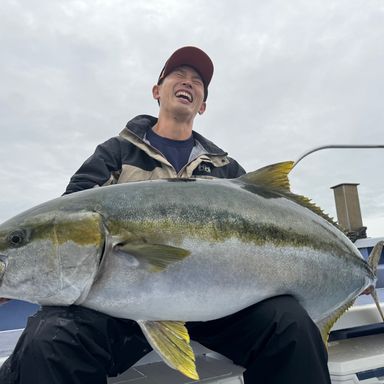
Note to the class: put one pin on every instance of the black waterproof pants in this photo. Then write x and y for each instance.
(275, 341)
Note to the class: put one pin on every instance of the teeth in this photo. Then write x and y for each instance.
(184, 94)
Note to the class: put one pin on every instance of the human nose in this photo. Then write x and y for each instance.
(187, 84)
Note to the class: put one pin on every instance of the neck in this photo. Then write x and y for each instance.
(172, 128)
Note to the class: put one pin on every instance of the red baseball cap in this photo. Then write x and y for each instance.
(192, 57)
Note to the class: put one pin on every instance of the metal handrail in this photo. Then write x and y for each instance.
(336, 146)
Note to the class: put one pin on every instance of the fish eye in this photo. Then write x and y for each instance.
(16, 238)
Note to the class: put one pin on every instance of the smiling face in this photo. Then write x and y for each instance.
(181, 92)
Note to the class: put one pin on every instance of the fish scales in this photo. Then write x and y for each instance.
(222, 223)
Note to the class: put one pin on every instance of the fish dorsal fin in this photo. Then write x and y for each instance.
(170, 339)
(305, 202)
(274, 176)
(157, 257)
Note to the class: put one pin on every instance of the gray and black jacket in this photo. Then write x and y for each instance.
(130, 157)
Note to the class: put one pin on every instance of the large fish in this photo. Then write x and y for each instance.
(164, 252)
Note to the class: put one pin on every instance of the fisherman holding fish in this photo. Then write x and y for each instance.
(275, 340)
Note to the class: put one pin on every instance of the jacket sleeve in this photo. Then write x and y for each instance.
(98, 169)
(234, 169)
(238, 170)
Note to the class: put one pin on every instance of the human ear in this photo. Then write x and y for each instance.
(155, 92)
(202, 109)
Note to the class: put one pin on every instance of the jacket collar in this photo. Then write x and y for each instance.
(139, 125)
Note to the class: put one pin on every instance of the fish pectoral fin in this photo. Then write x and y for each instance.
(157, 256)
(328, 322)
(170, 339)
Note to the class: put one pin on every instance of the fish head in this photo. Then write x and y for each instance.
(50, 257)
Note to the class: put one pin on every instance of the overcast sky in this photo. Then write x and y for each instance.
(290, 75)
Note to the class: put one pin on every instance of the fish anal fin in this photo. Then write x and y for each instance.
(327, 323)
(170, 339)
(157, 257)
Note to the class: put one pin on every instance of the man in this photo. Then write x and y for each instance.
(275, 340)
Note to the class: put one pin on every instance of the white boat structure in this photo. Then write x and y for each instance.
(356, 347)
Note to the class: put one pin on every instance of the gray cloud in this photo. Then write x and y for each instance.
(288, 77)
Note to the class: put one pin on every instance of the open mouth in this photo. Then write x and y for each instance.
(184, 95)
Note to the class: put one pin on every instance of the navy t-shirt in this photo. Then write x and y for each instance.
(175, 151)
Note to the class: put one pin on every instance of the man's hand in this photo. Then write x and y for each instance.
(3, 300)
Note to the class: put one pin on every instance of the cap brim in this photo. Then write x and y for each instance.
(192, 57)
